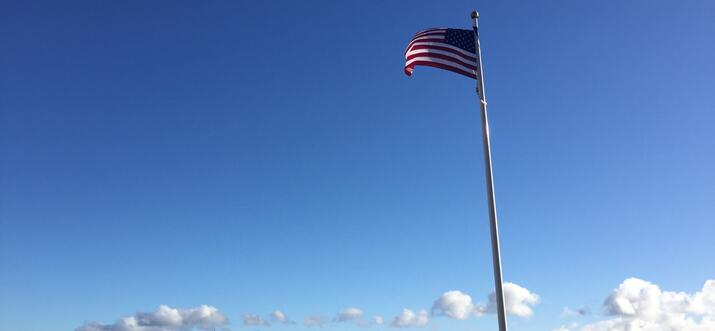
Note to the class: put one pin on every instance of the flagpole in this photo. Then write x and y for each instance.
(494, 229)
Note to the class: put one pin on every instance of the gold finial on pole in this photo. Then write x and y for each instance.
(475, 18)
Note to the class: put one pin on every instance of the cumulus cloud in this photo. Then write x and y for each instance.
(409, 318)
(458, 305)
(164, 318)
(378, 320)
(517, 300)
(315, 320)
(639, 305)
(703, 302)
(254, 320)
(455, 304)
(350, 314)
(278, 316)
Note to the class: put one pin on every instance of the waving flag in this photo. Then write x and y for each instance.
(448, 49)
(459, 51)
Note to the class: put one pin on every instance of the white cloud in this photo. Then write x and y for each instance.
(703, 302)
(454, 304)
(315, 320)
(458, 305)
(638, 305)
(350, 314)
(254, 320)
(164, 319)
(378, 320)
(278, 316)
(409, 318)
(517, 300)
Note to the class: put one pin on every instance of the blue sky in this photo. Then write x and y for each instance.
(261, 156)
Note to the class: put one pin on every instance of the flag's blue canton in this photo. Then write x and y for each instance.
(463, 39)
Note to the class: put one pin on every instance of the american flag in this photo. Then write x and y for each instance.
(448, 49)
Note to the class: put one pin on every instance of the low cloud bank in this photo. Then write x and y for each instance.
(254, 320)
(518, 301)
(315, 321)
(164, 319)
(409, 318)
(278, 316)
(351, 314)
(451, 304)
(639, 305)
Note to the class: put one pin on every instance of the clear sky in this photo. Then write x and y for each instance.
(262, 155)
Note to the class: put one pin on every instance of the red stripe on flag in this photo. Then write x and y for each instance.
(443, 57)
(429, 40)
(442, 48)
(440, 66)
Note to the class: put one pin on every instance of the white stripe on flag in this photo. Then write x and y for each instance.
(441, 61)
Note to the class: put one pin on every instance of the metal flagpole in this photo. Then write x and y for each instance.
(494, 229)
